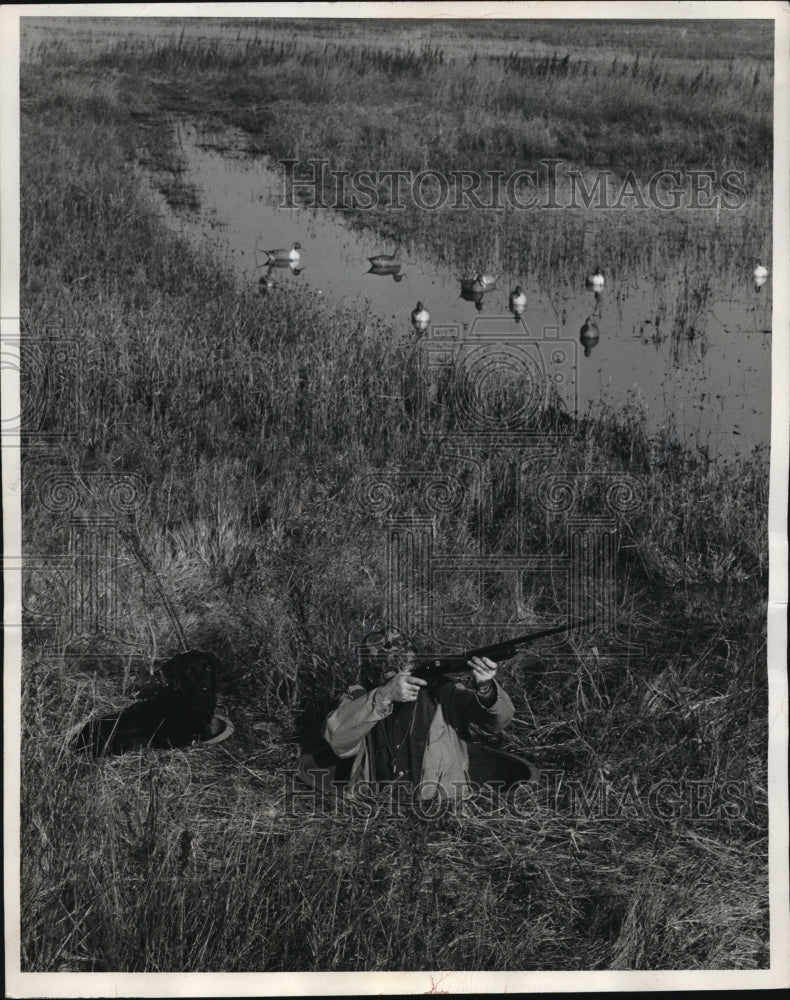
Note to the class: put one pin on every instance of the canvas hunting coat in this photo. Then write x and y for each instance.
(448, 715)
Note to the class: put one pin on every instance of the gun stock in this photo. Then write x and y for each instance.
(430, 666)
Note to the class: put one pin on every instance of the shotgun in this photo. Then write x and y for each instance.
(431, 666)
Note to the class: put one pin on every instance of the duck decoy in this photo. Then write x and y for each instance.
(488, 281)
(472, 286)
(518, 300)
(589, 335)
(595, 281)
(281, 254)
(386, 259)
(420, 317)
(760, 275)
(386, 269)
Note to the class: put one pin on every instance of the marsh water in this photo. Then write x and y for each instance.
(709, 389)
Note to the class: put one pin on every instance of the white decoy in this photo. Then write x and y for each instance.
(518, 300)
(760, 271)
(282, 254)
(420, 317)
(488, 281)
(595, 280)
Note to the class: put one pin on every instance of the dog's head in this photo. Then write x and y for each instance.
(194, 674)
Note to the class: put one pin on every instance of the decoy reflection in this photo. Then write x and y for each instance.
(385, 270)
(420, 317)
(589, 335)
(517, 302)
(472, 290)
(294, 266)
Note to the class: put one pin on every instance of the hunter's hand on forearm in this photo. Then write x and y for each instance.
(402, 687)
(483, 672)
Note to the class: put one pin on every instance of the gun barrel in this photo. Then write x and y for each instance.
(507, 648)
(498, 651)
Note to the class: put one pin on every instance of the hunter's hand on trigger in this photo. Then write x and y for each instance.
(404, 687)
(483, 670)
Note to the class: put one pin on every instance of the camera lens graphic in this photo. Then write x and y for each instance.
(499, 387)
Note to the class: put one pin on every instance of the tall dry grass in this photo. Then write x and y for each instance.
(249, 421)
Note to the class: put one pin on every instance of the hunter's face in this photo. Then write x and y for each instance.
(401, 662)
(386, 654)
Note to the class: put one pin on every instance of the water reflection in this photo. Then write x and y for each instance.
(517, 302)
(589, 335)
(386, 270)
(472, 290)
(294, 266)
(420, 318)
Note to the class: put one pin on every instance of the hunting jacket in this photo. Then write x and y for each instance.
(453, 713)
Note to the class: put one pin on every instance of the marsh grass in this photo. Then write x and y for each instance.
(594, 105)
(602, 126)
(637, 112)
(250, 421)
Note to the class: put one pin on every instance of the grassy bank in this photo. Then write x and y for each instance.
(249, 421)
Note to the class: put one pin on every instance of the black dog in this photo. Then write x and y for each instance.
(174, 716)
